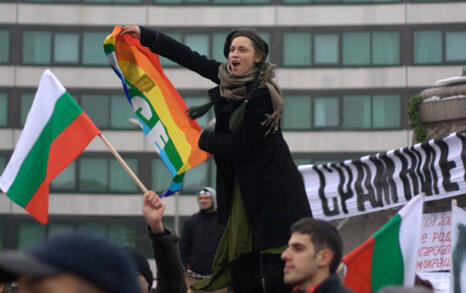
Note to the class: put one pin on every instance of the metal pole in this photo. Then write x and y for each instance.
(177, 213)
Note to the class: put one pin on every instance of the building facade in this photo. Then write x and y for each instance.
(347, 68)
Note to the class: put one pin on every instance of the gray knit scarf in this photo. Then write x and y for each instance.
(233, 87)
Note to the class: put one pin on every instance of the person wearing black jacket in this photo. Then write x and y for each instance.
(312, 258)
(260, 191)
(200, 237)
(170, 273)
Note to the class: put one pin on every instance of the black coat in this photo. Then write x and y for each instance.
(271, 186)
(199, 240)
(170, 273)
(330, 285)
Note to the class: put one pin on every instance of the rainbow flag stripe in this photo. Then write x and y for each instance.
(157, 105)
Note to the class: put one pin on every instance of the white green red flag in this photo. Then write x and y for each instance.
(389, 256)
(55, 133)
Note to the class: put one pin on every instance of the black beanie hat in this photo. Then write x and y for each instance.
(246, 32)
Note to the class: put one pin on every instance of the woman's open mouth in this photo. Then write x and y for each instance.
(235, 63)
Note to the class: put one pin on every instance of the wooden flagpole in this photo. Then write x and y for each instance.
(123, 163)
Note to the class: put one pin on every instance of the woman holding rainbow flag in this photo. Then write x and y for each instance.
(260, 192)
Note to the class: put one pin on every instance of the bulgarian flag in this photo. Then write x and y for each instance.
(55, 133)
(388, 257)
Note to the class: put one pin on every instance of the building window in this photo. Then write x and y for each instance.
(25, 101)
(296, 1)
(334, 1)
(326, 112)
(120, 112)
(428, 47)
(119, 178)
(123, 232)
(326, 49)
(108, 111)
(93, 52)
(1, 235)
(302, 161)
(3, 109)
(55, 227)
(4, 46)
(111, 1)
(356, 49)
(231, 2)
(2, 163)
(380, 111)
(63, 48)
(213, 174)
(106, 175)
(439, 47)
(386, 110)
(198, 43)
(97, 108)
(385, 48)
(297, 49)
(455, 46)
(208, 44)
(66, 48)
(218, 40)
(87, 1)
(357, 112)
(161, 177)
(297, 113)
(91, 227)
(30, 233)
(93, 174)
(66, 180)
(194, 179)
(37, 47)
(124, 235)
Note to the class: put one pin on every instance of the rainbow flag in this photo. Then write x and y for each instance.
(157, 105)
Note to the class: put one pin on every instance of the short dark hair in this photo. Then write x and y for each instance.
(322, 235)
(260, 46)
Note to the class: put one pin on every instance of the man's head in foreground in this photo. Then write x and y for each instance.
(72, 263)
(145, 275)
(314, 252)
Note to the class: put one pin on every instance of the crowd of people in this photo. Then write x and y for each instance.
(73, 262)
(255, 234)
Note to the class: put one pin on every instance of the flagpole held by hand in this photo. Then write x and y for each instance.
(123, 163)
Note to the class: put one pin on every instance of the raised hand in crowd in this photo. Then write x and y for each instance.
(153, 210)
